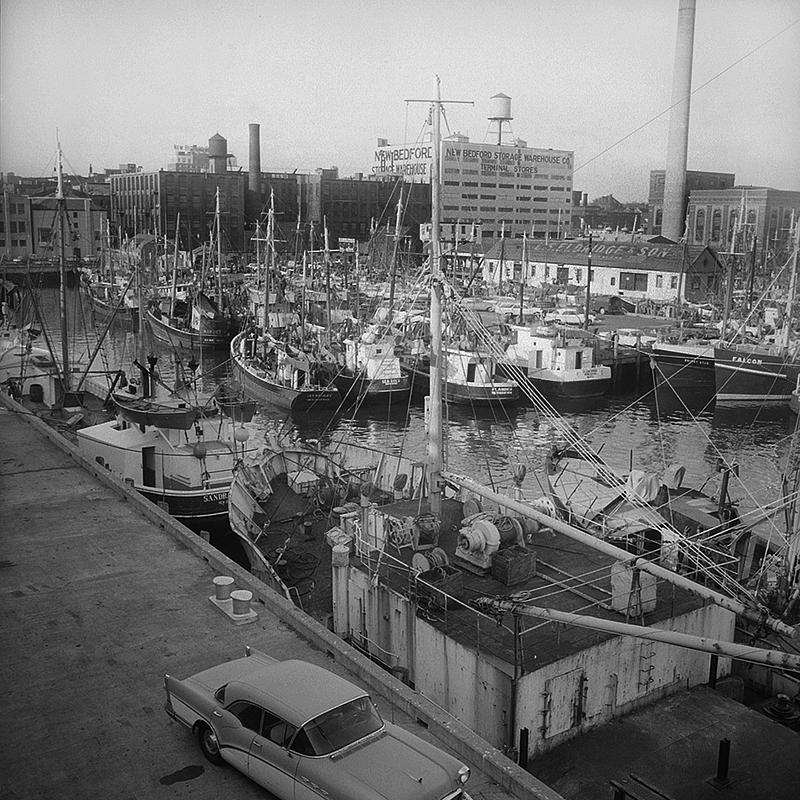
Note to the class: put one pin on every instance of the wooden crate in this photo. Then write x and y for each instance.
(512, 565)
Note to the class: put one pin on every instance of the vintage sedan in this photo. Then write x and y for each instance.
(304, 733)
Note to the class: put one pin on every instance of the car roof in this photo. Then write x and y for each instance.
(297, 691)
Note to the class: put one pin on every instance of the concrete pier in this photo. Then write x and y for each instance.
(102, 593)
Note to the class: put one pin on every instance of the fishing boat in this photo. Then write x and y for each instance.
(686, 362)
(366, 369)
(25, 368)
(766, 371)
(471, 378)
(558, 361)
(201, 321)
(204, 325)
(177, 453)
(144, 412)
(265, 363)
(271, 371)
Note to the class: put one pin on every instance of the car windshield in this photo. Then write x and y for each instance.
(340, 727)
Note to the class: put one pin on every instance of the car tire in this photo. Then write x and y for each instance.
(601, 311)
(209, 744)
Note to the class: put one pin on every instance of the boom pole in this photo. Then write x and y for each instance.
(741, 652)
(618, 553)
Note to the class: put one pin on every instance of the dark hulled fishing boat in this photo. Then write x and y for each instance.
(283, 377)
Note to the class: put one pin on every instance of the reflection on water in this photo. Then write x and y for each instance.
(649, 430)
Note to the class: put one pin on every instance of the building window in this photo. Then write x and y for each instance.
(716, 225)
(633, 281)
(578, 275)
(673, 282)
(700, 225)
(659, 281)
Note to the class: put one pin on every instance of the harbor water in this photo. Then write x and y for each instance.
(642, 428)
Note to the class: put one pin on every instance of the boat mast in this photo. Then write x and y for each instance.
(523, 273)
(327, 277)
(787, 322)
(394, 254)
(62, 274)
(588, 284)
(726, 312)
(219, 253)
(435, 455)
(268, 262)
(174, 290)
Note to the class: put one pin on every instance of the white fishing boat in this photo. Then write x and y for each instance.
(174, 450)
(558, 361)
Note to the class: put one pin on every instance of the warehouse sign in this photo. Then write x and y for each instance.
(504, 161)
(414, 161)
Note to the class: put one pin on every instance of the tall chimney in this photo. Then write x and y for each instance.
(254, 172)
(678, 138)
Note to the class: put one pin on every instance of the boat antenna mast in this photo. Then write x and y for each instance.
(62, 272)
(435, 460)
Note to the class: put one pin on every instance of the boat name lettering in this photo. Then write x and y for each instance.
(746, 360)
(215, 497)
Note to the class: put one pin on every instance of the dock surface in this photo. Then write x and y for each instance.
(99, 602)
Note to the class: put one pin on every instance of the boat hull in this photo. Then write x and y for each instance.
(264, 390)
(685, 368)
(214, 334)
(750, 375)
(261, 387)
(563, 385)
(106, 311)
(495, 394)
(192, 508)
(580, 389)
(358, 389)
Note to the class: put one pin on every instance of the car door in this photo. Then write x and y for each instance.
(235, 728)
(270, 764)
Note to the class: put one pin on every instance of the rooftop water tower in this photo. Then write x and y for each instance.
(500, 112)
(217, 153)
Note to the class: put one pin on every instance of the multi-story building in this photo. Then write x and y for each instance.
(694, 180)
(188, 158)
(508, 189)
(766, 219)
(149, 202)
(29, 226)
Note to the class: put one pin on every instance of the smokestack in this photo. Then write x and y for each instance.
(254, 172)
(678, 138)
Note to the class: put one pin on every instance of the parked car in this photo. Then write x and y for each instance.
(568, 316)
(299, 730)
(610, 304)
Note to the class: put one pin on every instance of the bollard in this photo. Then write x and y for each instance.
(241, 601)
(222, 587)
(524, 734)
(723, 760)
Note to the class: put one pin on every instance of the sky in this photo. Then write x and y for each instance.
(125, 80)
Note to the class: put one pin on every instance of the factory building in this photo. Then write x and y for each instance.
(694, 180)
(149, 202)
(505, 188)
